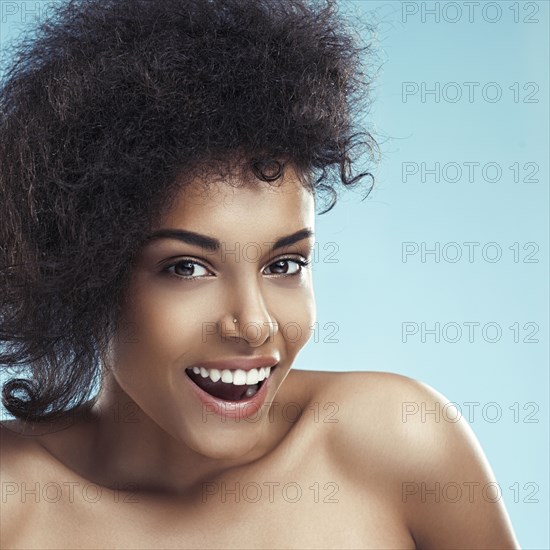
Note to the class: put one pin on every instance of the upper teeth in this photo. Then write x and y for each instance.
(237, 377)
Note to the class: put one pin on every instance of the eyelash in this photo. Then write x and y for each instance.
(302, 263)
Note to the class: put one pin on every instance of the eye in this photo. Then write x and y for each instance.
(281, 266)
(186, 269)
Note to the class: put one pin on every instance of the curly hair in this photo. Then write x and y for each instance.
(103, 108)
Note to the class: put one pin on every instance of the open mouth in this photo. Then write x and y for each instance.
(230, 385)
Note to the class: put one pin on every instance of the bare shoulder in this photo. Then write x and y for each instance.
(401, 420)
(20, 463)
(28, 471)
(405, 435)
(360, 413)
(361, 394)
(22, 454)
(18, 449)
(375, 413)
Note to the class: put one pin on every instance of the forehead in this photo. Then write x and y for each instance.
(227, 204)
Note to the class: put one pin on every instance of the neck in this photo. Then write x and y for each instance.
(130, 448)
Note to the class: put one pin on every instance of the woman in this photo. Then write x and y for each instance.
(162, 164)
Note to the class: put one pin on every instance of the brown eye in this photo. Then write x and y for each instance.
(187, 269)
(281, 267)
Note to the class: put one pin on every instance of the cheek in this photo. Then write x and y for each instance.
(155, 332)
(297, 320)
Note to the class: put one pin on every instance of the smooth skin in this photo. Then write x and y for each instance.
(332, 462)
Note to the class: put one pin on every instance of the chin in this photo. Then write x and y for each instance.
(223, 443)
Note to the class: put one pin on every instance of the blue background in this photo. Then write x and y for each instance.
(366, 289)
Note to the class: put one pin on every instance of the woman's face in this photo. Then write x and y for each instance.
(184, 296)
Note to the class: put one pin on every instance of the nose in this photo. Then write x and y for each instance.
(254, 323)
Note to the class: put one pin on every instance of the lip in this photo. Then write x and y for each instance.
(243, 363)
(234, 410)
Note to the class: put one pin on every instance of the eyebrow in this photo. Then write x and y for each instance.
(212, 244)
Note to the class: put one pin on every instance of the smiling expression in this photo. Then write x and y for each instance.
(214, 258)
